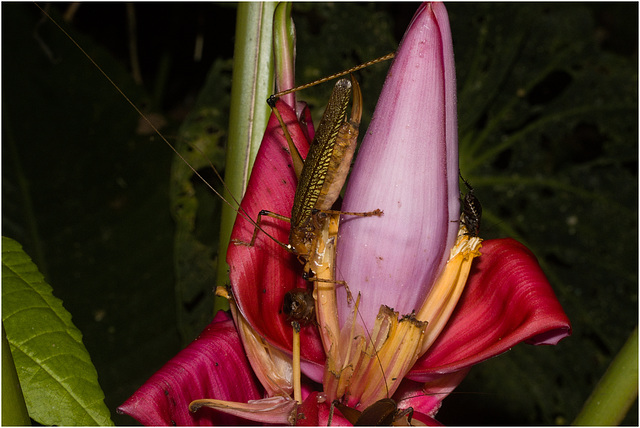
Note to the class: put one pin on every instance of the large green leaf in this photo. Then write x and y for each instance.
(59, 382)
(14, 409)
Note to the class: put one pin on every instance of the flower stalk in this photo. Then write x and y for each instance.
(617, 390)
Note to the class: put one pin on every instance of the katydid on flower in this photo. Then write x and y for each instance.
(456, 336)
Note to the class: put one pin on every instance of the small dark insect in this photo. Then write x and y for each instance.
(381, 413)
(298, 305)
(471, 210)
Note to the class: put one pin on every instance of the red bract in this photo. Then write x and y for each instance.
(213, 365)
(507, 300)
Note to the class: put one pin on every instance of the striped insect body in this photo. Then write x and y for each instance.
(471, 210)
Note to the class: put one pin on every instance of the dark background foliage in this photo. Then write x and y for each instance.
(548, 138)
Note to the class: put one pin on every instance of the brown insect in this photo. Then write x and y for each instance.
(471, 210)
(383, 412)
(299, 305)
(321, 175)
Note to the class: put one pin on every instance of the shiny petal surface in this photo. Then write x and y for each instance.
(212, 366)
(408, 167)
(507, 300)
(262, 274)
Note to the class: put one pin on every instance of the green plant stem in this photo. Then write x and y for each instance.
(617, 390)
(284, 42)
(252, 84)
(14, 409)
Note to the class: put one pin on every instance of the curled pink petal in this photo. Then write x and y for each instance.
(271, 410)
(507, 300)
(212, 366)
(408, 167)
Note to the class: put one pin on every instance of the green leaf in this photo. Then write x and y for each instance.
(14, 409)
(59, 382)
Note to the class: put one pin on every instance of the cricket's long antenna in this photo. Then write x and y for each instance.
(239, 209)
(131, 103)
(333, 76)
(373, 345)
(109, 79)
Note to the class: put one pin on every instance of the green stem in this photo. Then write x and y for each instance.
(284, 42)
(252, 83)
(617, 390)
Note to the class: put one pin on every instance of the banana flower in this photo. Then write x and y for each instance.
(418, 299)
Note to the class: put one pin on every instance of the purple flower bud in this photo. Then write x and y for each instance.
(407, 166)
